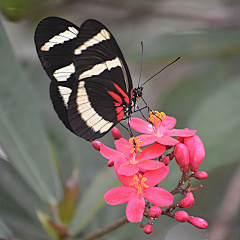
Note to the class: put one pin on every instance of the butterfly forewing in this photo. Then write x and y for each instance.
(91, 85)
(53, 39)
(97, 45)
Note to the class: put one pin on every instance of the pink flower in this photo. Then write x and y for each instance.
(148, 228)
(198, 222)
(161, 131)
(181, 155)
(126, 159)
(196, 151)
(136, 189)
(116, 133)
(181, 216)
(201, 175)
(155, 211)
(188, 201)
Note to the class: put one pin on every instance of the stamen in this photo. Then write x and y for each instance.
(156, 117)
(139, 182)
(135, 143)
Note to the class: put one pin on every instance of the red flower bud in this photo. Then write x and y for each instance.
(182, 156)
(166, 160)
(148, 228)
(201, 175)
(181, 216)
(97, 145)
(110, 163)
(198, 222)
(116, 133)
(155, 212)
(188, 201)
(196, 151)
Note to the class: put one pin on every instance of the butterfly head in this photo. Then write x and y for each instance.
(137, 92)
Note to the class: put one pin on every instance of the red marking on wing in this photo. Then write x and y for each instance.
(131, 93)
(120, 114)
(116, 97)
(126, 98)
(119, 109)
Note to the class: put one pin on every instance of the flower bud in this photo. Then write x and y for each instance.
(198, 222)
(166, 160)
(196, 151)
(155, 212)
(201, 175)
(148, 228)
(188, 201)
(181, 216)
(110, 163)
(97, 145)
(68, 203)
(116, 133)
(182, 156)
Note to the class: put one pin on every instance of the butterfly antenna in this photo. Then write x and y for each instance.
(141, 65)
(161, 70)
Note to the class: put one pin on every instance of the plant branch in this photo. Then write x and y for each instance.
(106, 230)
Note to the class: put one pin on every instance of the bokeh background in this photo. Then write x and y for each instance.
(201, 90)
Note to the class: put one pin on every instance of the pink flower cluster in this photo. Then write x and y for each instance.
(140, 174)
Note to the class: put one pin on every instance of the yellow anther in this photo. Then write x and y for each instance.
(156, 117)
(139, 182)
(135, 143)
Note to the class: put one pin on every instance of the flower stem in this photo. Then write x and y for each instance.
(107, 229)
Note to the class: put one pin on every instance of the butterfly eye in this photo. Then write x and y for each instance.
(139, 92)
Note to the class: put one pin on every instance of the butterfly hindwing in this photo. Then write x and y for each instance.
(91, 85)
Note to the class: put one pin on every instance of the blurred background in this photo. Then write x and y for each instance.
(201, 90)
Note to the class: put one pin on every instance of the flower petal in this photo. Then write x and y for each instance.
(125, 180)
(141, 126)
(147, 139)
(121, 146)
(110, 153)
(149, 165)
(154, 177)
(128, 169)
(119, 195)
(180, 132)
(166, 140)
(151, 152)
(135, 209)
(158, 196)
(168, 123)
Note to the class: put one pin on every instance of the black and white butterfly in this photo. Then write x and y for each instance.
(91, 87)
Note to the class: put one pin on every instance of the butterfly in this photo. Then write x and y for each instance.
(91, 87)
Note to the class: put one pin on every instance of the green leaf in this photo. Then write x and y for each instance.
(3, 155)
(22, 134)
(92, 200)
(218, 123)
(197, 84)
(16, 196)
(16, 9)
(5, 232)
(199, 44)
